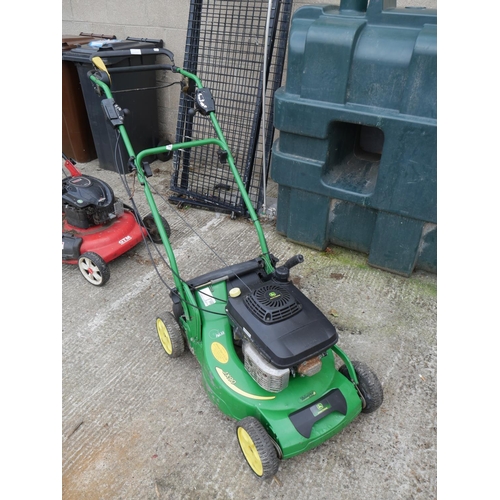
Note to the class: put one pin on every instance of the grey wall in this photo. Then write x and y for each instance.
(164, 19)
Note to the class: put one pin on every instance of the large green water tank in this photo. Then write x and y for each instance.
(356, 157)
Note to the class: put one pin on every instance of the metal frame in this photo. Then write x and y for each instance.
(225, 48)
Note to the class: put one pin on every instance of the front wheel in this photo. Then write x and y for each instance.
(170, 334)
(369, 386)
(93, 268)
(257, 447)
(152, 228)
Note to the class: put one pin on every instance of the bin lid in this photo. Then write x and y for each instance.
(83, 53)
(73, 41)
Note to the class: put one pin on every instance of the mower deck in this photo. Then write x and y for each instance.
(108, 240)
(302, 416)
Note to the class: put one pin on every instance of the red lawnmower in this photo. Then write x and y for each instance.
(97, 227)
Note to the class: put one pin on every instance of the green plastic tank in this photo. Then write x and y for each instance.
(355, 161)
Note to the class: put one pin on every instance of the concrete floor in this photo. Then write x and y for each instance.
(137, 424)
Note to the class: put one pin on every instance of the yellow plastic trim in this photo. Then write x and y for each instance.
(231, 383)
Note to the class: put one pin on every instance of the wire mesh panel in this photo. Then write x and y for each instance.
(225, 49)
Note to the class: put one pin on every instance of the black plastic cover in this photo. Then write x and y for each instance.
(71, 246)
(204, 101)
(78, 218)
(304, 419)
(301, 335)
(84, 191)
(113, 112)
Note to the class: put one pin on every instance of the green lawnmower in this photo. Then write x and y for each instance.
(267, 353)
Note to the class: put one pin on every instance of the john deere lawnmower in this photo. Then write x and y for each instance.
(268, 355)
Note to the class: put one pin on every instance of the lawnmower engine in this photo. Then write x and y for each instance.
(282, 332)
(87, 201)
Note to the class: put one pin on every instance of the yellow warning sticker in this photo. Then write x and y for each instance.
(219, 352)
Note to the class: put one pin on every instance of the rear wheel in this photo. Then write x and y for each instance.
(257, 447)
(170, 334)
(152, 228)
(369, 386)
(93, 268)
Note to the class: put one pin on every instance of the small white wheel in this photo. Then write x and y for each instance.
(93, 268)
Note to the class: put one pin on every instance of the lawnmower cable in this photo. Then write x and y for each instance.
(153, 188)
(147, 88)
(198, 235)
(137, 214)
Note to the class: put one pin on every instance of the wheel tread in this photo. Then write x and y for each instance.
(263, 444)
(369, 385)
(175, 334)
(152, 229)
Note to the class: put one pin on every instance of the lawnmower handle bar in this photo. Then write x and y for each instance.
(138, 159)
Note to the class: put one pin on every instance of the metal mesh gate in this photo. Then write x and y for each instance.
(225, 48)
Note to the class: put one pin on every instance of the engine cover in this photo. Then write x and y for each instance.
(84, 191)
(281, 322)
(87, 201)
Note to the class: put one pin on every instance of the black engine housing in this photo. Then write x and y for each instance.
(282, 323)
(87, 201)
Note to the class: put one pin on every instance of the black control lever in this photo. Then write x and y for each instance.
(293, 261)
(282, 273)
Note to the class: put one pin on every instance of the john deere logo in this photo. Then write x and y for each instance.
(320, 408)
(274, 295)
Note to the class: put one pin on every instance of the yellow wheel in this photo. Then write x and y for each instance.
(170, 334)
(257, 447)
